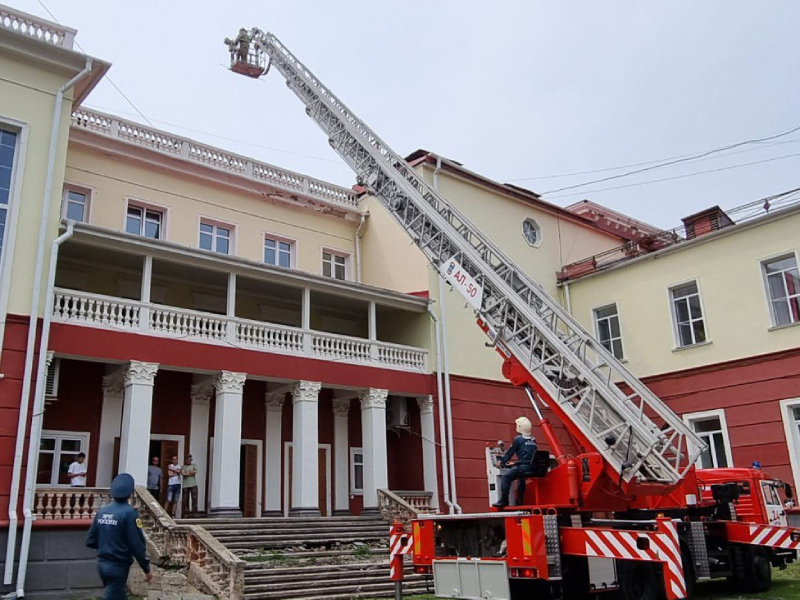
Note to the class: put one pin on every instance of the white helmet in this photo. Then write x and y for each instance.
(524, 426)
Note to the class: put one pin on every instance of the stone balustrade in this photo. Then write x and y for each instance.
(93, 310)
(36, 28)
(68, 503)
(394, 508)
(215, 158)
(419, 501)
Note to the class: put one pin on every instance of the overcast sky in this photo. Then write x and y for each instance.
(517, 91)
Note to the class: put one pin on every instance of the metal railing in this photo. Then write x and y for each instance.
(215, 158)
(107, 312)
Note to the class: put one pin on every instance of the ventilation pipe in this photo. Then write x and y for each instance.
(24, 404)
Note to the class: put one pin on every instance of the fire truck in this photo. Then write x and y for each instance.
(621, 507)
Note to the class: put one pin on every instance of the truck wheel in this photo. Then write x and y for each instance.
(688, 571)
(638, 580)
(758, 571)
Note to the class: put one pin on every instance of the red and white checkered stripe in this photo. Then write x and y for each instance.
(774, 537)
(664, 547)
(400, 543)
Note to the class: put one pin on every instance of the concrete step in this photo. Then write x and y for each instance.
(362, 572)
(269, 543)
(378, 562)
(301, 583)
(341, 591)
(281, 521)
(289, 533)
(316, 555)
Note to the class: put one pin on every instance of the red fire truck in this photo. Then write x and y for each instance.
(624, 509)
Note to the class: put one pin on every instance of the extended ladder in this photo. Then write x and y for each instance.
(577, 371)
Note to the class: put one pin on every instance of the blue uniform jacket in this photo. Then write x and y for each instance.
(116, 534)
(524, 447)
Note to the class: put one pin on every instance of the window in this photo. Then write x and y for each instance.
(531, 232)
(356, 471)
(8, 145)
(57, 451)
(608, 332)
(712, 429)
(688, 315)
(783, 286)
(215, 237)
(75, 204)
(334, 265)
(278, 252)
(143, 221)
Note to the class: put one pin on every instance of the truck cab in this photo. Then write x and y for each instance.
(762, 499)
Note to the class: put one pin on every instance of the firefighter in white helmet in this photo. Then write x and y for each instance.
(524, 446)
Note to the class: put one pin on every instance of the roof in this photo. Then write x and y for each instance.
(421, 156)
(613, 221)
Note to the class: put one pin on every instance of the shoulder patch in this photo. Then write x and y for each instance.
(139, 523)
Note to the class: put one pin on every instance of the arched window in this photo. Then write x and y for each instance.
(531, 232)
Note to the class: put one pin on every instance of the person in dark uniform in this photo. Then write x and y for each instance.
(524, 446)
(116, 534)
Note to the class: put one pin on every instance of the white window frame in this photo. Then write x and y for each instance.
(278, 239)
(792, 434)
(762, 264)
(80, 189)
(85, 438)
(690, 418)
(217, 223)
(145, 206)
(538, 229)
(333, 252)
(596, 322)
(354, 491)
(676, 334)
(12, 217)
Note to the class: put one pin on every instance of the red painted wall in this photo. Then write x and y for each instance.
(172, 405)
(404, 453)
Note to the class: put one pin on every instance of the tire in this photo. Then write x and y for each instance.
(638, 580)
(758, 571)
(688, 571)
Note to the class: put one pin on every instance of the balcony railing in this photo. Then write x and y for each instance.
(54, 503)
(179, 147)
(36, 28)
(107, 312)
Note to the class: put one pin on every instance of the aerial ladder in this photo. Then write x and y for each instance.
(635, 457)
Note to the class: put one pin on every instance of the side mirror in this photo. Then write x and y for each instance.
(787, 489)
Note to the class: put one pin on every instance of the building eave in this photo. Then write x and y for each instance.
(169, 251)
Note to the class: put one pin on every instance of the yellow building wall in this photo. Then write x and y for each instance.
(185, 199)
(732, 291)
(27, 95)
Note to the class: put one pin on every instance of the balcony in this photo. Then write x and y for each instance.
(107, 312)
(36, 28)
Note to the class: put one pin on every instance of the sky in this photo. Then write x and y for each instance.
(544, 95)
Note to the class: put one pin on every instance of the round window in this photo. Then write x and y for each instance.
(531, 232)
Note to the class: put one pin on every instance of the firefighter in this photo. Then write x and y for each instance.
(242, 45)
(524, 447)
(116, 534)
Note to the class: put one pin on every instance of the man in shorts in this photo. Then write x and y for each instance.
(173, 486)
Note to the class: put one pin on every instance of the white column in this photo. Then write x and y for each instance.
(273, 449)
(198, 436)
(137, 411)
(305, 449)
(429, 476)
(227, 444)
(373, 440)
(341, 456)
(110, 424)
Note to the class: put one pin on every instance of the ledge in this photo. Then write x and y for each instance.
(691, 346)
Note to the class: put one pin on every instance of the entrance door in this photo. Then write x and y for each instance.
(169, 448)
(323, 478)
(248, 486)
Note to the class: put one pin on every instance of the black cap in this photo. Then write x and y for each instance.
(122, 486)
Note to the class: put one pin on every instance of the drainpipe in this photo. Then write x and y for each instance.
(443, 316)
(567, 300)
(364, 216)
(38, 412)
(440, 397)
(22, 423)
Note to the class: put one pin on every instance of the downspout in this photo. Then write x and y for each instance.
(22, 423)
(449, 417)
(442, 435)
(364, 216)
(567, 300)
(38, 412)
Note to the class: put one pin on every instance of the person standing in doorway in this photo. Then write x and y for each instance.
(116, 534)
(77, 471)
(189, 472)
(173, 486)
(154, 477)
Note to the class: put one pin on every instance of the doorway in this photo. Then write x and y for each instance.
(250, 475)
(164, 447)
(323, 477)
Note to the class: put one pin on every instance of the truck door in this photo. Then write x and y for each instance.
(776, 514)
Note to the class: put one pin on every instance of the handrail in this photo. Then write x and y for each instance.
(394, 508)
(211, 566)
(215, 158)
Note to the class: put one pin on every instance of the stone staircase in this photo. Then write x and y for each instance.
(333, 558)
